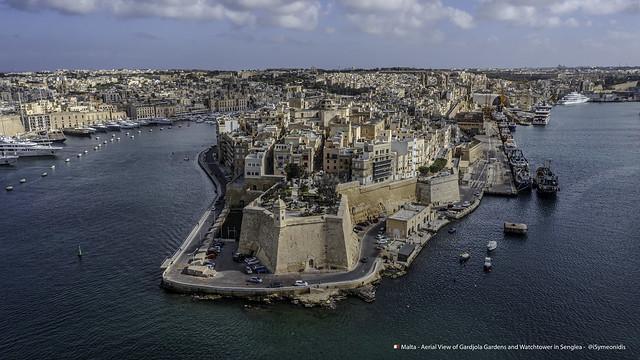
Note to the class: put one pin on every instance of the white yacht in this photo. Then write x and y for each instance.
(542, 112)
(26, 148)
(573, 98)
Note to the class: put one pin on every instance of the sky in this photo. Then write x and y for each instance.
(331, 34)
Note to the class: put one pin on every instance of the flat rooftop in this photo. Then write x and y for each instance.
(407, 213)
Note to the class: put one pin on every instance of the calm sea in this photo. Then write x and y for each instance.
(574, 279)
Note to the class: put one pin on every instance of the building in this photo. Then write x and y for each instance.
(373, 163)
(439, 190)
(471, 122)
(408, 221)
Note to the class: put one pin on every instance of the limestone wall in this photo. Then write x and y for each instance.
(300, 243)
(373, 200)
(439, 190)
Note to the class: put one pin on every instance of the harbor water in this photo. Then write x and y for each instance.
(573, 279)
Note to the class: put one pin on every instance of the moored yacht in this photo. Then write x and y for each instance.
(6, 159)
(541, 115)
(25, 148)
(573, 98)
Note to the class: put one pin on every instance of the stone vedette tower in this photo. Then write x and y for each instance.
(289, 242)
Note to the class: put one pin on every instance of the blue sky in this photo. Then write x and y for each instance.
(248, 34)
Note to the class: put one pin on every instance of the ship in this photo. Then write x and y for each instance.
(520, 170)
(6, 159)
(541, 115)
(545, 181)
(26, 148)
(80, 131)
(573, 98)
(46, 137)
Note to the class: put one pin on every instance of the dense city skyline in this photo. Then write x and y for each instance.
(221, 34)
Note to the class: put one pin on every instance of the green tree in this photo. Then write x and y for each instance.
(423, 170)
(293, 171)
(438, 165)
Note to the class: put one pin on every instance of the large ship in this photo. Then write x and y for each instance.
(7, 159)
(573, 98)
(46, 137)
(541, 114)
(545, 181)
(26, 148)
(520, 169)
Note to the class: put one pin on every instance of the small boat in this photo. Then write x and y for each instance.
(9, 160)
(79, 251)
(186, 158)
(452, 230)
(53, 166)
(150, 130)
(515, 228)
(113, 135)
(86, 152)
(487, 264)
(465, 257)
(23, 180)
(161, 129)
(492, 245)
(97, 137)
(9, 188)
(67, 160)
(44, 174)
(104, 142)
(79, 155)
(133, 137)
(118, 139)
(95, 148)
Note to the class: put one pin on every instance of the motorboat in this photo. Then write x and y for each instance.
(488, 266)
(465, 256)
(9, 188)
(492, 245)
(452, 230)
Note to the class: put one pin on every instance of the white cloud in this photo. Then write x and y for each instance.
(402, 17)
(293, 14)
(551, 13)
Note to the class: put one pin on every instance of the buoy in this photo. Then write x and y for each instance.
(105, 142)
(95, 148)
(150, 130)
(139, 131)
(113, 135)
(67, 160)
(111, 140)
(23, 180)
(118, 139)
(133, 137)
(97, 137)
(44, 174)
(9, 188)
(86, 152)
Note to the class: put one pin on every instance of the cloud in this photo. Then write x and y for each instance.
(402, 17)
(551, 13)
(291, 14)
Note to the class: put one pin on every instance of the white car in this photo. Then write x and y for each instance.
(300, 283)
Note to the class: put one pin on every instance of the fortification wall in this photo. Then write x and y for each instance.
(372, 200)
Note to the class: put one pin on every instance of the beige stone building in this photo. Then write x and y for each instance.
(408, 221)
(11, 125)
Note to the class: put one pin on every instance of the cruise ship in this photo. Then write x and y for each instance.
(26, 148)
(542, 112)
(573, 98)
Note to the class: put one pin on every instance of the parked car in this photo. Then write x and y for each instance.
(262, 270)
(237, 257)
(252, 262)
(364, 260)
(275, 284)
(255, 280)
(300, 283)
(248, 270)
(359, 228)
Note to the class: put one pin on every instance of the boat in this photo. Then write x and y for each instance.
(79, 251)
(44, 174)
(487, 264)
(163, 121)
(541, 114)
(26, 148)
(186, 158)
(67, 160)
(23, 180)
(113, 126)
(100, 127)
(127, 125)
(452, 230)
(545, 181)
(512, 126)
(8, 160)
(465, 257)
(143, 122)
(573, 98)
(9, 188)
(492, 245)
(515, 228)
(520, 169)
(85, 132)
(46, 137)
